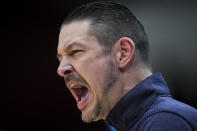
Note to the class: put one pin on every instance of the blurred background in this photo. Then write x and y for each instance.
(32, 95)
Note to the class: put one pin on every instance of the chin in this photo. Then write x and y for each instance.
(91, 115)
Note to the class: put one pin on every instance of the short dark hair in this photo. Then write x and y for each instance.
(109, 22)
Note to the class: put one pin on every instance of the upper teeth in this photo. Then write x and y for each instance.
(75, 86)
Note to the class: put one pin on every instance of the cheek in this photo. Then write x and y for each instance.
(93, 70)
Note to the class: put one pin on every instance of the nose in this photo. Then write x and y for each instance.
(64, 69)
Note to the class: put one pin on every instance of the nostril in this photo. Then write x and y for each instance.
(67, 72)
(64, 70)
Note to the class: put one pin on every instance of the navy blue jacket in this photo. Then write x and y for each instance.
(150, 107)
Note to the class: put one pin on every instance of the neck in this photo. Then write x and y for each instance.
(126, 82)
(132, 78)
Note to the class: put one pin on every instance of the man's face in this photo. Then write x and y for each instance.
(87, 71)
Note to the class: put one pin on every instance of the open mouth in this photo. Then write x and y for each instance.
(80, 93)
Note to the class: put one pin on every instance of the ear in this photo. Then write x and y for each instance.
(125, 48)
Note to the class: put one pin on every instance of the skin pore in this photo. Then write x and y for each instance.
(82, 58)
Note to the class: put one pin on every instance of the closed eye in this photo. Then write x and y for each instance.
(73, 52)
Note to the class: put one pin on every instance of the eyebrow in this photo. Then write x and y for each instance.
(73, 44)
(70, 46)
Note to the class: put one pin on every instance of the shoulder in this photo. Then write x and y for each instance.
(169, 114)
(165, 121)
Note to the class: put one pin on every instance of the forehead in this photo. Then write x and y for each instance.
(76, 32)
(74, 29)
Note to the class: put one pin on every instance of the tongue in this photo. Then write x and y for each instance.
(83, 101)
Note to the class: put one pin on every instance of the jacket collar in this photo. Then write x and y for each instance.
(134, 104)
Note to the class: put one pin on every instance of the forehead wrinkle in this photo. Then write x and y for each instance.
(65, 36)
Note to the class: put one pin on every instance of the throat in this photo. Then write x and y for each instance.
(81, 93)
